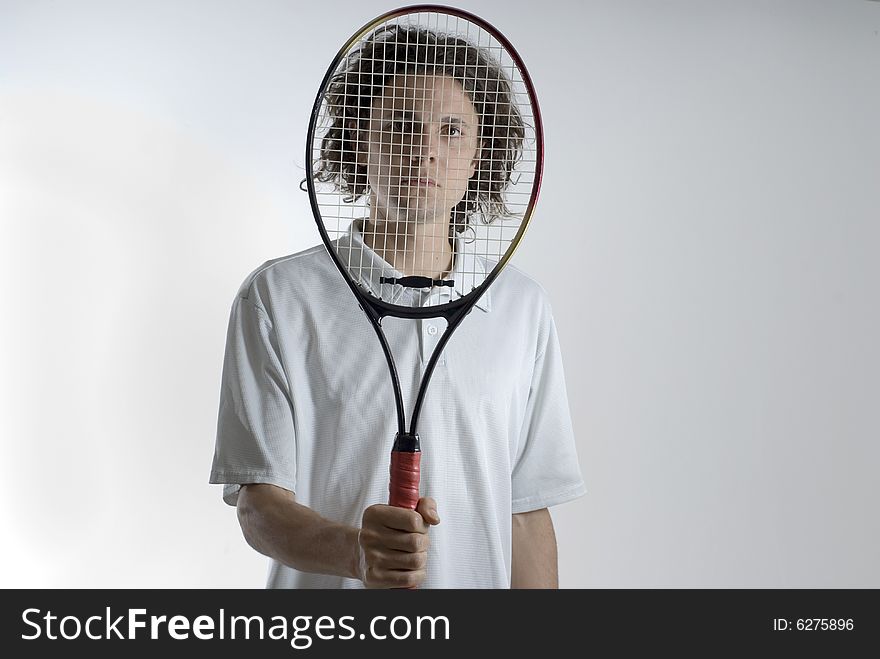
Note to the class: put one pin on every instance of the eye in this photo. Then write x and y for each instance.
(453, 131)
(395, 126)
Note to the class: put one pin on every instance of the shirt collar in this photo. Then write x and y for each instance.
(367, 266)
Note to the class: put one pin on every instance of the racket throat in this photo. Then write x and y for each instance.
(406, 443)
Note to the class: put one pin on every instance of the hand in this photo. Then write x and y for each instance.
(394, 544)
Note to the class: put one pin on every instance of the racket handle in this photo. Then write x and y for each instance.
(406, 457)
(403, 490)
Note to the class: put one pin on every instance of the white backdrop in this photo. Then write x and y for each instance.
(708, 233)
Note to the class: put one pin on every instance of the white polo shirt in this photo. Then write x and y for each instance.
(306, 404)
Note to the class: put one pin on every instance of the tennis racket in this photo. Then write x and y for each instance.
(424, 158)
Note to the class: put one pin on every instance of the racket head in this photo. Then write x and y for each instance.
(424, 159)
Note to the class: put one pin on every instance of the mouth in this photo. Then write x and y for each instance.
(420, 182)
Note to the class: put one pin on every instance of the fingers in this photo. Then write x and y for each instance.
(389, 568)
(379, 578)
(403, 519)
(384, 538)
(399, 560)
(392, 517)
(427, 508)
(394, 543)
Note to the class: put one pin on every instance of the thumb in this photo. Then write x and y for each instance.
(427, 508)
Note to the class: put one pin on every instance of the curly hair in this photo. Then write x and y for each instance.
(396, 49)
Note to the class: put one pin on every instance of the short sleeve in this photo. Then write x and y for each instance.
(546, 471)
(255, 425)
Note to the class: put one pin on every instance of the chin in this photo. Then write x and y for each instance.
(417, 214)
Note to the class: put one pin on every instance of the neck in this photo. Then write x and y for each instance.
(413, 249)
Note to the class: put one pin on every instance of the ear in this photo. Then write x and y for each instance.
(476, 160)
(356, 139)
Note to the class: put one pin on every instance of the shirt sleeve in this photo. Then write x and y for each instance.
(546, 471)
(255, 441)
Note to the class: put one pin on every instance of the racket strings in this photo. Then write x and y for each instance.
(426, 155)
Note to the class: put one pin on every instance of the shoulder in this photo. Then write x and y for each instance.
(286, 276)
(523, 302)
(516, 286)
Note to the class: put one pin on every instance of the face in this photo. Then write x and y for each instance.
(420, 149)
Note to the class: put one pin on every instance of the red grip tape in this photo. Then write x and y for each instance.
(404, 487)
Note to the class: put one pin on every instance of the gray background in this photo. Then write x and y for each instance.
(707, 231)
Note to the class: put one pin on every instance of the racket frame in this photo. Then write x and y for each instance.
(456, 310)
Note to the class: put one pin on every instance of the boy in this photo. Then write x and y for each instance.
(305, 417)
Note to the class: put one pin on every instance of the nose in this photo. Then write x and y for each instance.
(424, 145)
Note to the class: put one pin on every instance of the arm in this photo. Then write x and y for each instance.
(534, 563)
(277, 526)
(389, 550)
